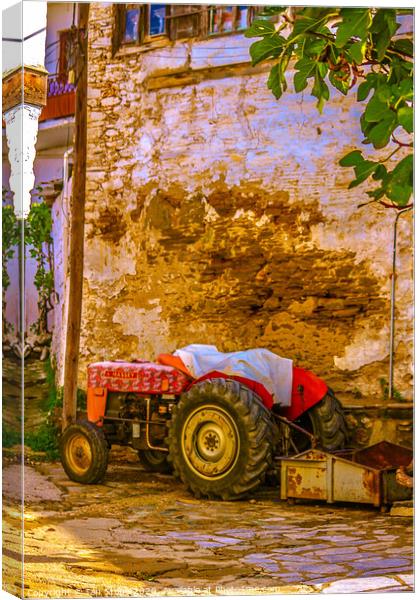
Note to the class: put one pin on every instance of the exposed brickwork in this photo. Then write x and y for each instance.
(216, 214)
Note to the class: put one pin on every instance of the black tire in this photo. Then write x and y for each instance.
(327, 422)
(84, 452)
(155, 461)
(221, 439)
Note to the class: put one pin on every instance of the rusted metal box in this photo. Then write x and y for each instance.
(365, 476)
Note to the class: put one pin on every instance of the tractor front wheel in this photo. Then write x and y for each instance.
(84, 452)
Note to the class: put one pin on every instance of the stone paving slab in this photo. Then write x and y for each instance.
(363, 584)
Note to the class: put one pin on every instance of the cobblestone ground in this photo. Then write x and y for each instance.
(144, 534)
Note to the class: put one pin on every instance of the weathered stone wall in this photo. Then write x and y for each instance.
(216, 214)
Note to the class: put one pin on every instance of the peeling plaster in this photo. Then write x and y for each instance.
(147, 325)
(211, 214)
(106, 262)
(368, 346)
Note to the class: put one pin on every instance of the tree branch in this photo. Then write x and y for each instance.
(387, 205)
(401, 144)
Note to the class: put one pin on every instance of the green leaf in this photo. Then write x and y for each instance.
(383, 28)
(381, 133)
(354, 24)
(402, 71)
(320, 89)
(376, 109)
(363, 91)
(352, 159)
(404, 89)
(266, 48)
(384, 93)
(376, 194)
(380, 173)
(357, 51)
(365, 126)
(405, 118)
(306, 67)
(405, 46)
(260, 28)
(404, 169)
(314, 46)
(399, 186)
(363, 171)
(339, 81)
(300, 81)
(400, 194)
(322, 69)
(305, 23)
(276, 82)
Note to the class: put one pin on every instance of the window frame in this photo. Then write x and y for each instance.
(122, 9)
(251, 13)
(145, 36)
(145, 41)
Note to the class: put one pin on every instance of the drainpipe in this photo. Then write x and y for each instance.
(392, 325)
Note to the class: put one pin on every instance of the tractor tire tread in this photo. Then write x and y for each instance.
(330, 423)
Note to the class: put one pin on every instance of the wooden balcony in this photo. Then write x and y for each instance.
(61, 99)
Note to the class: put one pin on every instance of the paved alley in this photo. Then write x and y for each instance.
(144, 534)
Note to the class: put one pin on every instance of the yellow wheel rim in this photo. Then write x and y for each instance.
(78, 454)
(210, 442)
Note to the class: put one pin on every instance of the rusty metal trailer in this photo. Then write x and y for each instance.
(365, 476)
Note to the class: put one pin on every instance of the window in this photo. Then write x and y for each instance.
(223, 19)
(151, 24)
(142, 23)
(156, 22)
(130, 32)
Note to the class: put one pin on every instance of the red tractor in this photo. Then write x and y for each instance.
(219, 433)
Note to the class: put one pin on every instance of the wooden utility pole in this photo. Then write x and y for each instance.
(77, 224)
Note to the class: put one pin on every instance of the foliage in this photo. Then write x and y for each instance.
(45, 438)
(54, 400)
(10, 437)
(10, 239)
(38, 238)
(81, 400)
(340, 48)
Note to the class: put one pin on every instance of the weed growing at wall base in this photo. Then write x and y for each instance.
(396, 395)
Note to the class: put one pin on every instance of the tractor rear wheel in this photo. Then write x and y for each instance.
(329, 423)
(221, 439)
(155, 461)
(84, 452)
(326, 421)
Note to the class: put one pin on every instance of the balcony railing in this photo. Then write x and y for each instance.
(61, 98)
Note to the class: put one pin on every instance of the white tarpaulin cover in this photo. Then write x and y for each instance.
(263, 366)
